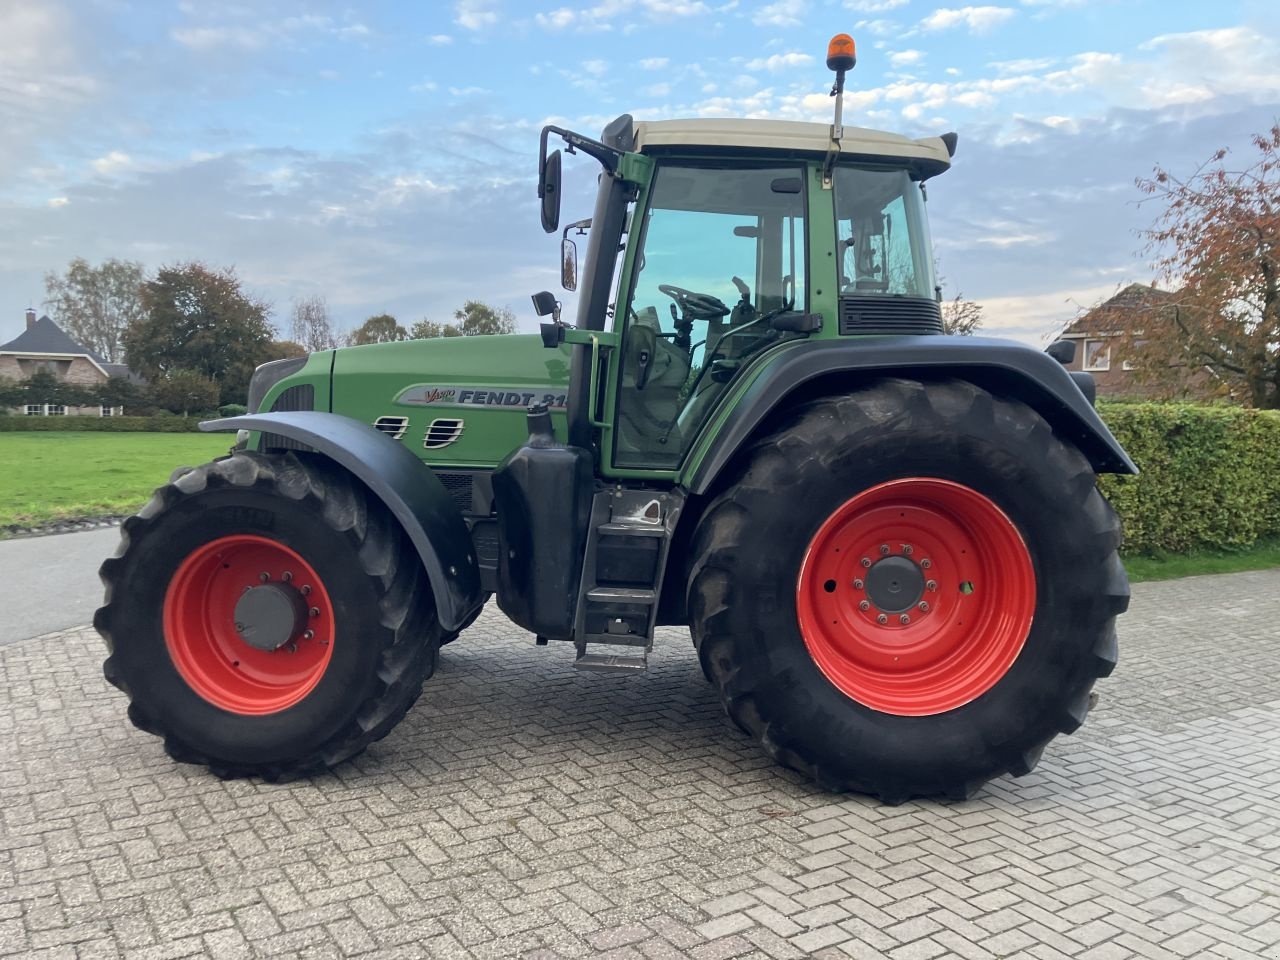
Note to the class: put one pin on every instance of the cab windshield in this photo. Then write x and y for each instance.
(883, 234)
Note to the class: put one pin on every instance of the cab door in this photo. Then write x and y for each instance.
(721, 253)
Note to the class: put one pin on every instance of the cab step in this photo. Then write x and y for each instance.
(611, 663)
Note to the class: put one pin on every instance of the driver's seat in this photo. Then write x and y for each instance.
(646, 415)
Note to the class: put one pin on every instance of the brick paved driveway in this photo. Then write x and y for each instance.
(524, 810)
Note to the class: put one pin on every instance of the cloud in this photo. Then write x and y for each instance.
(475, 14)
(58, 201)
(905, 58)
(780, 61)
(977, 19)
(440, 40)
(783, 13)
(258, 34)
(605, 12)
(654, 63)
(113, 164)
(874, 6)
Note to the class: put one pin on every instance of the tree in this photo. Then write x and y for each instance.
(120, 392)
(473, 319)
(185, 391)
(960, 316)
(198, 319)
(282, 350)
(1217, 243)
(96, 304)
(479, 319)
(380, 328)
(45, 387)
(12, 393)
(311, 325)
(426, 329)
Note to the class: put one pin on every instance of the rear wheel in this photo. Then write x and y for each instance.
(266, 617)
(933, 607)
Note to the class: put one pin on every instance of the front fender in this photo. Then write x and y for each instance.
(1001, 366)
(407, 487)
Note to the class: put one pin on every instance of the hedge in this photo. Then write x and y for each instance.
(1210, 476)
(105, 424)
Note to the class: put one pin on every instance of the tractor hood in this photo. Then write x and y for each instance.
(453, 400)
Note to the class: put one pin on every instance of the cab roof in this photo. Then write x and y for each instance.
(931, 154)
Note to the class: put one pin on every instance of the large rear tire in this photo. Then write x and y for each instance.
(266, 617)
(908, 590)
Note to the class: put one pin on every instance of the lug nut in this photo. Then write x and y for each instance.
(314, 611)
(904, 619)
(931, 585)
(292, 647)
(866, 562)
(882, 619)
(884, 549)
(286, 576)
(926, 563)
(864, 605)
(857, 584)
(924, 606)
(308, 634)
(907, 550)
(305, 589)
(264, 577)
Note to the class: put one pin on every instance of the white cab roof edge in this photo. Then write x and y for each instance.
(790, 135)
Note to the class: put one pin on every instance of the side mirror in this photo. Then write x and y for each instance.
(545, 304)
(549, 192)
(568, 264)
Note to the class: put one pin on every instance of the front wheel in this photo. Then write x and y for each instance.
(266, 617)
(908, 590)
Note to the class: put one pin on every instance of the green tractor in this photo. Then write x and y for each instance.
(887, 542)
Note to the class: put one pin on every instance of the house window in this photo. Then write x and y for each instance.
(106, 411)
(1126, 364)
(1097, 355)
(35, 409)
(55, 410)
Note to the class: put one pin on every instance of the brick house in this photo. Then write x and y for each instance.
(45, 346)
(1104, 334)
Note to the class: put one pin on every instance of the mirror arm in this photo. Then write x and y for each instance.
(609, 157)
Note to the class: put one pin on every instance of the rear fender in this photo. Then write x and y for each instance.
(407, 487)
(1004, 367)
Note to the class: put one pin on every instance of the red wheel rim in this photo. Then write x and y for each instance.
(205, 645)
(957, 638)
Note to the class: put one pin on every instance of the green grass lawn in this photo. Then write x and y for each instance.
(1262, 556)
(55, 476)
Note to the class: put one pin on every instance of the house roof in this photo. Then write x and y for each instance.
(1112, 314)
(45, 336)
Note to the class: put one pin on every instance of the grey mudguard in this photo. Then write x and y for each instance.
(400, 480)
(1001, 366)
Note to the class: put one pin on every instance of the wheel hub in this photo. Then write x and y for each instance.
(895, 584)
(270, 615)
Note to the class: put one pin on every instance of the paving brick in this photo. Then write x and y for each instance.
(522, 809)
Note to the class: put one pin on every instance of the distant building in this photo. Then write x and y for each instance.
(46, 346)
(1110, 336)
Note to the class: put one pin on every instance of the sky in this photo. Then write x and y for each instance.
(383, 154)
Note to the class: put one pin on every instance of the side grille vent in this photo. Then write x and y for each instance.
(394, 427)
(459, 487)
(441, 432)
(301, 397)
(889, 315)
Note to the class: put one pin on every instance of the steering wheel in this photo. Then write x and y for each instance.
(691, 306)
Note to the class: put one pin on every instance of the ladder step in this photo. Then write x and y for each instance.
(622, 595)
(610, 663)
(619, 639)
(633, 529)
